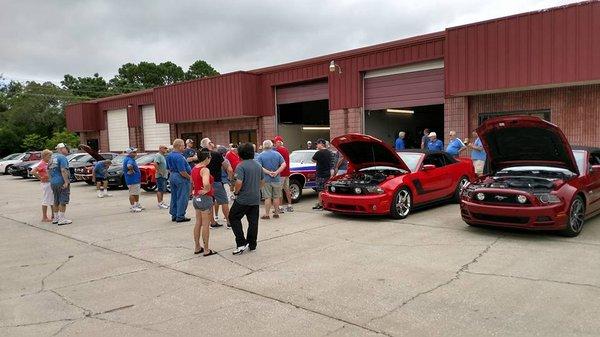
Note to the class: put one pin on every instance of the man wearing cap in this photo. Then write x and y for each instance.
(59, 182)
(180, 179)
(285, 174)
(323, 172)
(434, 144)
(190, 153)
(309, 145)
(133, 178)
(160, 163)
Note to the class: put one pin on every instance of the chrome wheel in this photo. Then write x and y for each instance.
(462, 184)
(577, 215)
(295, 191)
(403, 203)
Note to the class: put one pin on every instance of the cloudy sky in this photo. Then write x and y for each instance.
(43, 40)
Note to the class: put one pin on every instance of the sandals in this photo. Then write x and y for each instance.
(265, 217)
(210, 252)
(200, 251)
(275, 216)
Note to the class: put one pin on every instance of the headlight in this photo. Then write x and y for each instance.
(357, 190)
(332, 189)
(547, 198)
(374, 190)
(480, 196)
(521, 199)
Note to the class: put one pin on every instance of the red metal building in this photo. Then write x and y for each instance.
(545, 63)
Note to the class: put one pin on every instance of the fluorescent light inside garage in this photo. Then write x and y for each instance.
(399, 111)
(315, 128)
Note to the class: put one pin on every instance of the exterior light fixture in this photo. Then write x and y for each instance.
(399, 111)
(130, 105)
(333, 66)
(315, 128)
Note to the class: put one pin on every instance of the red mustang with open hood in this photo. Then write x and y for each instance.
(388, 182)
(536, 179)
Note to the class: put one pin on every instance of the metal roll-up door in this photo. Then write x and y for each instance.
(118, 130)
(314, 91)
(410, 89)
(155, 134)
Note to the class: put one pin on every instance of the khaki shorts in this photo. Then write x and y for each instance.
(134, 189)
(272, 190)
(286, 183)
(478, 164)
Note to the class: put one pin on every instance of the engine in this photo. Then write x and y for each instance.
(365, 181)
(529, 184)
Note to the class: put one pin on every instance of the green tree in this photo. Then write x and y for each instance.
(34, 142)
(200, 69)
(87, 87)
(64, 136)
(132, 77)
(9, 141)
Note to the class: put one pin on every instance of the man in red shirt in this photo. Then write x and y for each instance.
(285, 174)
(233, 157)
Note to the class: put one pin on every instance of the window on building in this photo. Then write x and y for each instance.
(195, 136)
(543, 114)
(242, 136)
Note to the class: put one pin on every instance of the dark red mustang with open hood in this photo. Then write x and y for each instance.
(536, 180)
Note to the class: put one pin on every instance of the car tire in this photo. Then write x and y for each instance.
(401, 204)
(295, 190)
(461, 182)
(576, 218)
(6, 169)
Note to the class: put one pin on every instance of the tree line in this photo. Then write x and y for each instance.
(32, 114)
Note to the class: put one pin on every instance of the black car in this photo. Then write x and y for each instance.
(115, 171)
(75, 167)
(22, 169)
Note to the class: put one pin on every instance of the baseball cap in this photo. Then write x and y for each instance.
(130, 150)
(432, 134)
(321, 141)
(60, 146)
(189, 140)
(278, 139)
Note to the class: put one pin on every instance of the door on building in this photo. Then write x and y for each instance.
(543, 114)
(408, 98)
(118, 130)
(303, 113)
(93, 143)
(195, 136)
(237, 137)
(155, 134)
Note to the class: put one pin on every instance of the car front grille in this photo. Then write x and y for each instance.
(500, 218)
(497, 198)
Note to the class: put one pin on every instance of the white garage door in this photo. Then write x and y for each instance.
(118, 131)
(155, 134)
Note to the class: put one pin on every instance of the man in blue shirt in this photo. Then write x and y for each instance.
(59, 182)
(99, 176)
(133, 178)
(400, 141)
(434, 144)
(477, 154)
(455, 145)
(272, 164)
(180, 180)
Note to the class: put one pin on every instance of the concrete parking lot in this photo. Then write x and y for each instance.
(114, 273)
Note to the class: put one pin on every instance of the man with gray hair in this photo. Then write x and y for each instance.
(216, 166)
(272, 163)
(59, 182)
(400, 141)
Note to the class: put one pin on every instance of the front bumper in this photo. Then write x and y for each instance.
(546, 217)
(373, 204)
(115, 180)
(83, 177)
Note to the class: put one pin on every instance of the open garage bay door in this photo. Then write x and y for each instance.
(155, 134)
(118, 130)
(315, 91)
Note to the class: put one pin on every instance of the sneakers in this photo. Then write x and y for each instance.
(240, 250)
(54, 221)
(228, 226)
(64, 221)
(215, 225)
(107, 195)
(163, 206)
(100, 195)
(289, 208)
(317, 207)
(135, 209)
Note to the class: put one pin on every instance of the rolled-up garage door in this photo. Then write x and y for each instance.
(314, 91)
(155, 134)
(118, 130)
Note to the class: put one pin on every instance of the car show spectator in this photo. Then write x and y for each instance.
(202, 201)
(285, 174)
(189, 153)
(425, 139)
(60, 184)
(161, 175)
(179, 179)
(434, 144)
(399, 145)
(216, 165)
(322, 158)
(248, 181)
(224, 179)
(477, 154)
(309, 145)
(133, 177)
(41, 172)
(99, 177)
(233, 157)
(272, 165)
(455, 145)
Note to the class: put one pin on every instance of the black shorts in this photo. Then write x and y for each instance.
(320, 183)
(100, 180)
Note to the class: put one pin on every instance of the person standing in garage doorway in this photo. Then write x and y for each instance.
(399, 145)
(434, 144)
(309, 145)
(425, 139)
(323, 172)
(285, 174)
(477, 154)
(455, 145)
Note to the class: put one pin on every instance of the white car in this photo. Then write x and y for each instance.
(10, 160)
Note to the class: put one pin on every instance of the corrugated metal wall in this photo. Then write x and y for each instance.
(82, 117)
(312, 91)
(560, 45)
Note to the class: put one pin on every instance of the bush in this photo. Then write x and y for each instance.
(69, 138)
(33, 142)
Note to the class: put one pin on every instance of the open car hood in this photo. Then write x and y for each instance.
(365, 151)
(525, 140)
(91, 152)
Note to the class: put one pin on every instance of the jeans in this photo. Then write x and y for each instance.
(237, 212)
(180, 194)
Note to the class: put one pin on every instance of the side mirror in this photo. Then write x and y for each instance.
(595, 168)
(428, 167)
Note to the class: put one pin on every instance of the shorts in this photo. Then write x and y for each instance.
(478, 165)
(134, 189)
(47, 195)
(272, 190)
(219, 193)
(320, 183)
(161, 184)
(203, 202)
(100, 180)
(61, 195)
(286, 183)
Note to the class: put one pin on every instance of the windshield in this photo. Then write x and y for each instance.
(75, 156)
(83, 159)
(118, 160)
(411, 159)
(580, 159)
(536, 171)
(147, 159)
(12, 156)
(302, 157)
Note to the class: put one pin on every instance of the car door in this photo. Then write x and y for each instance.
(432, 184)
(593, 182)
